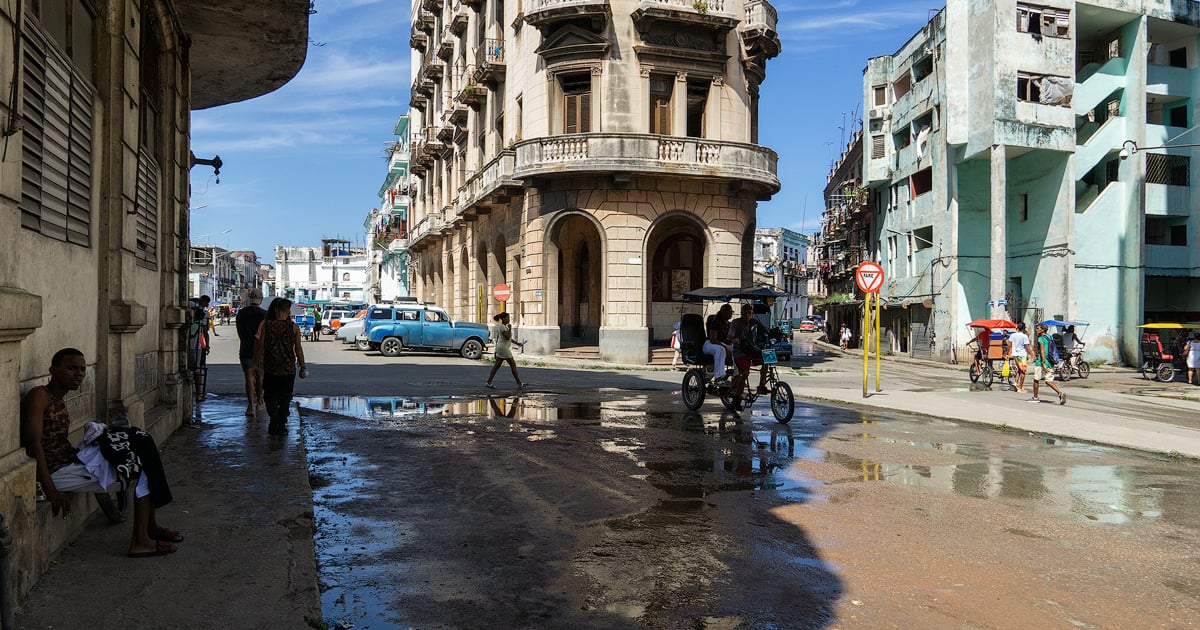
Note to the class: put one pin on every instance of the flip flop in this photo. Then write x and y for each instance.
(489, 386)
(160, 549)
(167, 535)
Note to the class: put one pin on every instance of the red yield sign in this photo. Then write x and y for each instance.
(869, 276)
(502, 292)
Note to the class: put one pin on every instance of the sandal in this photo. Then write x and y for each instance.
(489, 386)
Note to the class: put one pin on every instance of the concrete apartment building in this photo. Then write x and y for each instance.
(781, 258)
(387, 225)
(994, 142)
(599, 157)
(223, 275)
(333, 272)
(94, 203)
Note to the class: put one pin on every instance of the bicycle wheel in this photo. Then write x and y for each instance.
(783, 404)
(1165, 372)
(1084, 369)
(693, 389)
(727, 399)
(987, 375)
(974, 372)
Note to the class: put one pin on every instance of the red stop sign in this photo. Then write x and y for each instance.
(502, 292)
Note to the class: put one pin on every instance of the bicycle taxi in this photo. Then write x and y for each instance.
(698, 380)
(1161, 345)
(1071, 361)
(989, 364)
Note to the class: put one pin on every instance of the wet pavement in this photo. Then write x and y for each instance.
(594, 500)
(571, 510)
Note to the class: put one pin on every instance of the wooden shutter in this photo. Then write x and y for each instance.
(578, 113)
(56, 158)
(147, 208)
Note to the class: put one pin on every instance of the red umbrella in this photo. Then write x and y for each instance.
(992, 323)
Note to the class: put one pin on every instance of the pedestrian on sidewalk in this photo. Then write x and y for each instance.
(249, 319)
(278, 349)
(503, 351)
(1019, 346)
(1193, 358)
(1043, 368)
(845, 336)
(110, 459)
(198, 343)
(316, 333)
(675, 347)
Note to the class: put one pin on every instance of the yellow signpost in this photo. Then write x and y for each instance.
(869, 278)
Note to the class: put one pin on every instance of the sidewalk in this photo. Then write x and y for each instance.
(1153, 423)
(244, 505)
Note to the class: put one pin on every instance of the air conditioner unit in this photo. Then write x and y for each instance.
(877, 113)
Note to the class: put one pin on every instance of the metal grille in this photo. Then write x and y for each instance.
(147, 208)
(1162, 168)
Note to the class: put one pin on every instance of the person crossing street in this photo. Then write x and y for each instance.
(1043, 367)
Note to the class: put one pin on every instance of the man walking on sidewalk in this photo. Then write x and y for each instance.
(1019, 345)
(1043, 368)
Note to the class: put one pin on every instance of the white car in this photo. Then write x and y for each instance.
(351, 331)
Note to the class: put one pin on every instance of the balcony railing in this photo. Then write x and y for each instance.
(458, 17)
(489, 60)
(446, 44)
(470, 90)
(759, 27)
(418, 39)
(704, 7)
(495, 178)
(632, 153)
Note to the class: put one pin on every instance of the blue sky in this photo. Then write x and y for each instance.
(306, 161)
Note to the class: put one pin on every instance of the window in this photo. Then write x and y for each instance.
(922, 238)
(661, 87)
(1178, 58)
(879, 93)
(921, 182)
(1177, 116)
(345, 277)
(56, 169)
(498, 121)
(878, 150)
(435, 316)
(148, 169)
(1179, 235)
(1023, 207)
(380, 313)
(677, 267)
(697, 103)
(1044, 21)
(577, 103)
(1172, 170)
(922, 68)
(1044, 89)
(901, 86)
(517, 118)
(409, 316)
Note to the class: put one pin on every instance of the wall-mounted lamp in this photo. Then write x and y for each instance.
(1129, 147)
(215, 162)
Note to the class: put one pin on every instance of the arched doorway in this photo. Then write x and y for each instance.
(676, 247)
(576, 278)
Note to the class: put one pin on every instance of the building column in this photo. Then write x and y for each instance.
(679, 105)
(999, 249)
(712, 109)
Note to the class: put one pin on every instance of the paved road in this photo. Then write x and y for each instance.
(595, 500)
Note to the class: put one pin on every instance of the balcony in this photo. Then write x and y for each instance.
(434, 68)
(433, 6)
(459, 17)
(455, 114)
(445, 46)
(470, 91)
(423, 83)
(493, 184)
(489, 61)
(426, 232)
(418, 100)
(425, 21)
(627, 154)
(418, 39)
(545, 14)
(713, 14)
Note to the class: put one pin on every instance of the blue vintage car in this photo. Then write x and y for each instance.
(392, 328)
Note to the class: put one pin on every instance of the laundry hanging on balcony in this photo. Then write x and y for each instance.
(1056, 90)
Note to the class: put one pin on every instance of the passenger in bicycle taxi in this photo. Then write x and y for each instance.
(1073, 346)
(717, 329)
(981, 347)
(744, 335)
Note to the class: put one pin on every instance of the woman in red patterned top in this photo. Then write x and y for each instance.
(277, 348)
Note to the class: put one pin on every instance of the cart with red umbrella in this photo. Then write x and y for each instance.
(988, 364)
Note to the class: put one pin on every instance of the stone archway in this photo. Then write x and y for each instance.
(576, 278)
(676, 252)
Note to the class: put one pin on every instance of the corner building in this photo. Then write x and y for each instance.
(600, 158)
(994, 146)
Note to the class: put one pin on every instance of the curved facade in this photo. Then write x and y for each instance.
(600, 158)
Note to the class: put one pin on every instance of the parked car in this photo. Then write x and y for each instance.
(392, 328)
(351, 330)
(807, 325)
(330, 316)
